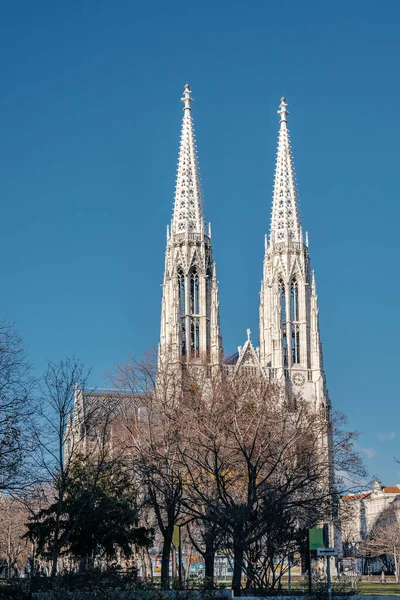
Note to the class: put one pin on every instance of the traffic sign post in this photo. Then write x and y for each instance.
(177, 543)
(315, 539)
(327, 552)
(290, 561)
(328, 576)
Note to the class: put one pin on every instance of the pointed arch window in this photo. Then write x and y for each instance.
(195, 337)
(208, 306)
(181, 291)
(294, 301)
(284, 349)
(295, 344)
(194, 291)
(282, 294)
(294, 318)
(182, 309)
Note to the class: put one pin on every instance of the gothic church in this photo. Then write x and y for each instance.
(289, 344)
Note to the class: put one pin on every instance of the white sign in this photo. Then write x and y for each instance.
(327, 552)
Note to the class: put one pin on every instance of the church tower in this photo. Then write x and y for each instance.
(290, 349)
(190, 329)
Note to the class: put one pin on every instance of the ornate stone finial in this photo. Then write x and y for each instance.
(313, 284)
(214, 271)
(283, 112)
(187, 99)
(248, 331)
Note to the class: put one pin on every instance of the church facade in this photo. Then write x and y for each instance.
(289, 349)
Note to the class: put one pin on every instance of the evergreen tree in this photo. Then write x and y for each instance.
(99, 520)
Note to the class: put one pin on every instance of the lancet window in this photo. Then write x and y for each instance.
(295, 344)
(208, 305)
(294, 318)
(294, 301)
(182, 308)
(282, 293)
(193, 322)
(181, 291)
(194, 336)
(284, 349)
(194, 292)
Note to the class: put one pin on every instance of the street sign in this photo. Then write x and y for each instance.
(176, 539)
(327, 552)
(315, 539)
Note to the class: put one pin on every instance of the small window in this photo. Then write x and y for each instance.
(194, 292)
(181, 289)
(294, 301)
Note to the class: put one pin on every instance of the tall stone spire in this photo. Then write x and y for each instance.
(289, 329)
(285, 222)
(188, 207)
(190, 331)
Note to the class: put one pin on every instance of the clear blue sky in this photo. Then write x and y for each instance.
(89, 131)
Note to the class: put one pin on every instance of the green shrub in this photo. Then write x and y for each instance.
(340, 587)
(15, 589)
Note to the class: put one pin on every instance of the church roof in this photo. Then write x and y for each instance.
(188, 213)
(285, 221)
(391, 489)
(360, 496)
(232, 359)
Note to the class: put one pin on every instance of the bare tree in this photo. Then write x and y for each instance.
(68, 426)
(14, 547)
(261, 462)
(207, 538)
(16, 387)
(152, 430)
(233, 456)
(384, 538)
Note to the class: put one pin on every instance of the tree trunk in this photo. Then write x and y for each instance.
(250, 576)
(166, 552)
(237, 568)
(396, 566)
(209, 557)
(147, 569)
(54, 561)
(56, 540)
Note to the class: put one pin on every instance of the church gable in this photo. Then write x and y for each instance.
(196, 260)
(248, 355)
(180, 260)
(297, 269)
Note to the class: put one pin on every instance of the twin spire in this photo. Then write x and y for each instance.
(188, 214)
(285, 221)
